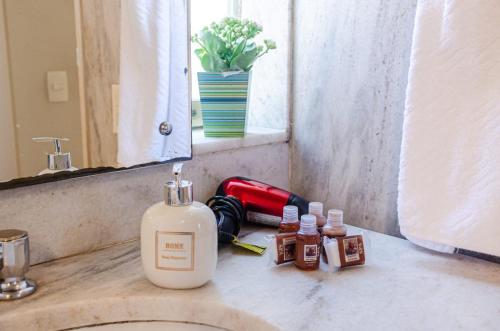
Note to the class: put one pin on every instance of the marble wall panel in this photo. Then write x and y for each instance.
(351, 62)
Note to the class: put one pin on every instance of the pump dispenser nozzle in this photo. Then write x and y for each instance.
(176, 171)
(178, 192)
(58, 161)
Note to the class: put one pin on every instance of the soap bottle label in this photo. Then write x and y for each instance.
(289, 249)
(310, 253)
(174, 250)
(351, 250)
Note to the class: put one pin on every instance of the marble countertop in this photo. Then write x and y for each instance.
(402, 287)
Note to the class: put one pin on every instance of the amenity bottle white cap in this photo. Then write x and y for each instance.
(308, 224)
(290, 214)
(316, 208)
(335, 217)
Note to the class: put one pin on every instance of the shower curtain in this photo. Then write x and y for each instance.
(449, 185)
(154, 84)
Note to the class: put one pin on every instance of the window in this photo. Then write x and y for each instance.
(269, 91)
(203, 13)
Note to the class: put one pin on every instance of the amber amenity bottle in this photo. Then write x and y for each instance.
(334, 227)
(316, 209)
(290, 221)
(335, 224)
(308, 244)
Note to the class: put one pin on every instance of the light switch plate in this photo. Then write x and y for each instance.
(57, 86)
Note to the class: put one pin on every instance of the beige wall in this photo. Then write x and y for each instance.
(8, 166)
(41, 38)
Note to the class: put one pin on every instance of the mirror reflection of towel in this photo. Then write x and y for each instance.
(154, 84)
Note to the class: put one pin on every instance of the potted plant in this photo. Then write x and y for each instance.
(227, 51)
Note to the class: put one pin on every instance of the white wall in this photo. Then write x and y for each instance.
(8, 165)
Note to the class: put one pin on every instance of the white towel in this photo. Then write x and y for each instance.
(154, 85)
(449, 184)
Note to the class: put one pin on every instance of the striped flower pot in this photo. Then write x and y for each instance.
(224, 103)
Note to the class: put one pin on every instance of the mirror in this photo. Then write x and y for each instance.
(101, 75)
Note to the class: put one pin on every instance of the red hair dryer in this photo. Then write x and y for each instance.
(240, 199)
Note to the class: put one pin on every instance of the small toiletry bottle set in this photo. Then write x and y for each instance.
(179, 238)
(305, 241)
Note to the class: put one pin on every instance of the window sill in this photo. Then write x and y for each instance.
(254, 137)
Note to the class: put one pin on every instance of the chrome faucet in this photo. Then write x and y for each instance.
(14, 263)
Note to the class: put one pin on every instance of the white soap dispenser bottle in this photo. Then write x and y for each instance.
(58, 161)
(179, 238)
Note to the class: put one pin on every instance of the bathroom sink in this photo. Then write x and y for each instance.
(151, 326)
(177, 311)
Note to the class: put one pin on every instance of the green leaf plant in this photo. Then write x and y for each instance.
(229, 45)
